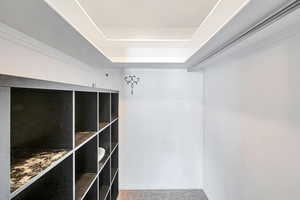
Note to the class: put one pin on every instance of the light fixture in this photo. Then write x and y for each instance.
(131, 80)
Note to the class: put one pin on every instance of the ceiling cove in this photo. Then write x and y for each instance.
(142, 31)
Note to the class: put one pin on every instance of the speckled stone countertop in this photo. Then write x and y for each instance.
(26, 164)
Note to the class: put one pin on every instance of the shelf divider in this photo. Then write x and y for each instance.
(5, 142)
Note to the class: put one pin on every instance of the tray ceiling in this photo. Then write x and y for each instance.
(142, 31)
(128, 35)
(144, 19)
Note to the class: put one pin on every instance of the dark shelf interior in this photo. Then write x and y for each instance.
(104, 142)
(92, 193)
(114, 105)
(114, 162)
(85, 167)
(83, 181)
(56, 184)
(114, 134)
(81, 137)
(41, 129)
(85, 116)
(104, 109)
(103, 161)
(115, 188)
(27, 164)
(108, 197)
(104, 181)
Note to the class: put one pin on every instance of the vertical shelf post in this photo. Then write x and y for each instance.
(73, 135)
(5, 142)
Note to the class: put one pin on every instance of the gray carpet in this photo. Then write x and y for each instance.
(162, 195)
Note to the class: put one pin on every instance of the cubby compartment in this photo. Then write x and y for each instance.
(114, 134)
(85, 167)
(114, 162)
(115, 188)
(104, 143)
(55, 184)
(86, 122)
(41, 133)
(104, 109)
(114, 105)
(92, 194)
(104, 182)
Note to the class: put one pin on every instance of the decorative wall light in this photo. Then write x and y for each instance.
(131, 80)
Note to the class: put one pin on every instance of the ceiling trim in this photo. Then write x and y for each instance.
(77, 16)
(152, 34)
(145, 59)
(108, 39)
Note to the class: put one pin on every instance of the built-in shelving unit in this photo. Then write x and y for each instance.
(55, 133)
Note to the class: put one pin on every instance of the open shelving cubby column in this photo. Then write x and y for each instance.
(86, 168)
(86, 124)
(105, 144)
(41, 142)
(86, 143)
(104, 109)
(108, 140)
(114, 181)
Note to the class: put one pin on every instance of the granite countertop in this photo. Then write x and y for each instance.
(26, 164)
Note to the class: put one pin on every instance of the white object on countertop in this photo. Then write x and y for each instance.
(101, 153)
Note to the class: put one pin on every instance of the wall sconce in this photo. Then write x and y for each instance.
(131, 80)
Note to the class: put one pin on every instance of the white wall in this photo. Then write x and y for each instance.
(252, 120)
(26, 57)
(161, 131)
